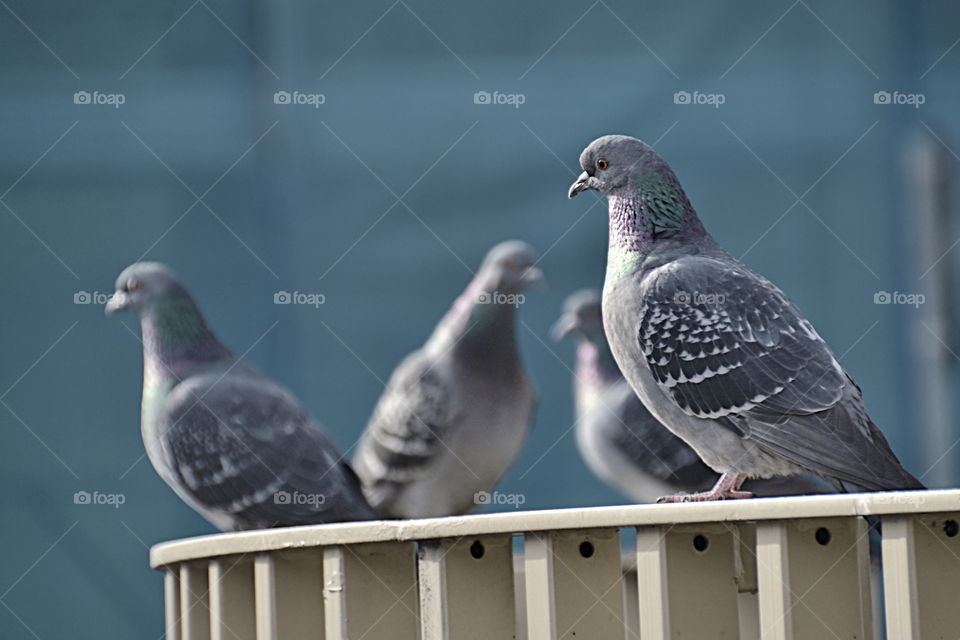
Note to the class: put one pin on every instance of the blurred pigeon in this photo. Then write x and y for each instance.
(620, 441)
(455, 412)
(716, 352)
(232, 444)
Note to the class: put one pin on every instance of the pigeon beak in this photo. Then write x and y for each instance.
(584, 182)
(116, 302)
(563, 327)
(534, 277)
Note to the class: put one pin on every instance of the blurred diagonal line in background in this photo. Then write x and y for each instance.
(557, 41)
(937, 61)
(157, 41)
(378, 20)
(19, 419)
(757, 41)
(38, 560)
(177, 21)
(778, 20)
(398, 199)
(579, 19)
(639, 39)
(39, 39)
(839, 39)
(799, 199)
(434, 34)
(199, 199)
(238, 39)
(39, 439)
(37, 361)
(24, 175)
(39, 158)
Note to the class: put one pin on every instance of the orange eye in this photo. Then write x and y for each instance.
(602, 164)
(133, 284)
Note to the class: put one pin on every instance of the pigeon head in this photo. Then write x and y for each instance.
(510, 267)
(646, 202)
(174, 331)
(141, 285)
(614, 165)
(581, 314)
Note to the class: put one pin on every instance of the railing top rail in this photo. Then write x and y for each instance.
(838, 505)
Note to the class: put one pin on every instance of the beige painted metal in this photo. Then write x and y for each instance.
(814, 579)
(194, 602)
(298, 589)
(171, 603)
(900, 578)
(573, 582)
(921, 561)
(520, 595)
(370, 591)
(466, 588)
(232, 599)
(685, 567)
(347, 580)
(654, 604)
(630, 603)
(748, 601)
(839, 505)
(265, 596)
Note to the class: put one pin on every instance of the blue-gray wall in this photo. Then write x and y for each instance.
(312, 207)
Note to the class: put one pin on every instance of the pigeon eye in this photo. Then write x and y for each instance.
(602, 164)
(133, 284)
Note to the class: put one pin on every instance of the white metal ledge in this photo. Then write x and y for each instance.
(772, 568)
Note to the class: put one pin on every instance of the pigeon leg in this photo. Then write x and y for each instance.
(726, 488)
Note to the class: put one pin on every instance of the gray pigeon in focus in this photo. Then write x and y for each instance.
(620, 441)
(456, 411)
(716, 352)
(232, 444)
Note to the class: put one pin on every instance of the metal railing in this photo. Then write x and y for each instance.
(773, 568)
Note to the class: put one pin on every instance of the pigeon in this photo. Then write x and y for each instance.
(235, 446)
(456, 412)
(620, 441)
(716, 352)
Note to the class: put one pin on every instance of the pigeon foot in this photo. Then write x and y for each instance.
(726, 488)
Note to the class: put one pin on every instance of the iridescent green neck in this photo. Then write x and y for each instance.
(656, 213)
(176, 337)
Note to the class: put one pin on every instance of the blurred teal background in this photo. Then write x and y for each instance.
(383, 199)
